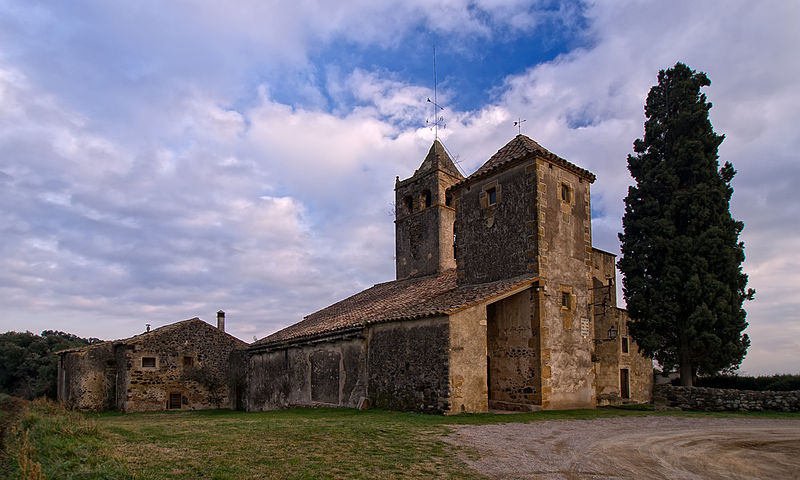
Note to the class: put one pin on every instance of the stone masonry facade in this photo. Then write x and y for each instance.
(185, 365)
(499, 302)
(494, 305)
(622, 375)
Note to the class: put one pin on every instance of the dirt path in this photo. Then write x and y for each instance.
(636, 448)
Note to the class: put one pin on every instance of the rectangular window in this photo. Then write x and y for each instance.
(188, 361)
(174, 400)
(492, 193)
(624, 344)
(566, 193)
(149, 362)
(565, 300)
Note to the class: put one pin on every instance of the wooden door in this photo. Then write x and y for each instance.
(624, 383)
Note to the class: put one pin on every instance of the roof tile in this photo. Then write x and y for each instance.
(396, 300)
(519, 147)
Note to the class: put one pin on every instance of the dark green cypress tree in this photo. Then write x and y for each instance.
(681, 254)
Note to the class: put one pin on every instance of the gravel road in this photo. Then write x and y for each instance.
(635, 448)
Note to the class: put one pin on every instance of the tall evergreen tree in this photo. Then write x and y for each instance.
(681, 254)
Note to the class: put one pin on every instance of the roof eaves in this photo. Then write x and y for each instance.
(505, 293)
(509, 162)
(307, 338)
(604, 251)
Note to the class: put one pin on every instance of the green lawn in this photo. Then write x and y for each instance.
(297, 444)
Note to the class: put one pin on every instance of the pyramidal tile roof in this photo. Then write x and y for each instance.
(438, 159)
(520, 147)
(396, 300)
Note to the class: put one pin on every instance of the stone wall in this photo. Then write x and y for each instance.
(424, 222)
(468, 391)
(86, 378)
(238, 364)
(191, 360)
(610, 359)
(408, 365)
(563, 215)
(329, 373)
(397, 366)
(496, 241)
(513, 351)
(717, 399)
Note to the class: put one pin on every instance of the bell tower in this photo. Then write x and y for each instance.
(424, 217)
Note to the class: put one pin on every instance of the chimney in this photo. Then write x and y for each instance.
(221, 320)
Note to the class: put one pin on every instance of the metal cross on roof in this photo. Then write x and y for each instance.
(438, 120)
(518, 124)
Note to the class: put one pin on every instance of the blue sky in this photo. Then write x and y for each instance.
(163, 161)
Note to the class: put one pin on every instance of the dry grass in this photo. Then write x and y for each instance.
(323, 443)
(47, 441)
(221, 444)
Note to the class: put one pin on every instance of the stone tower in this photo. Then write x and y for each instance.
(527, 212)
(424, 217)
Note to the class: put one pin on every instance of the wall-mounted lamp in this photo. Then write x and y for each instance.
(612, 335)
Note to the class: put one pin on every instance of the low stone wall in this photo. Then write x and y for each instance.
(717, 399)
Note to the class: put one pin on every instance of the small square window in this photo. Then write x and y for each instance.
(149, 362)
(188, 361)
(624, 344)
(492, 194)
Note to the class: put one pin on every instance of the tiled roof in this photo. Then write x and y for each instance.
(436, 159)
(166, 329)
(397, 300)
(518, 148)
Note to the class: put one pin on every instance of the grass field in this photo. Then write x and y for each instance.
(297, 444)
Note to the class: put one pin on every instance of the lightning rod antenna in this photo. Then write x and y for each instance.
(438, 119)
(435, 99)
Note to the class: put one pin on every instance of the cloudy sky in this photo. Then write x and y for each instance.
(164, 160)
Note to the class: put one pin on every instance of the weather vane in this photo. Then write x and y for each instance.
(438, 120)
(518, 124)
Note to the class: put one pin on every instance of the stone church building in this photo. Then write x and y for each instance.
(500, 301)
